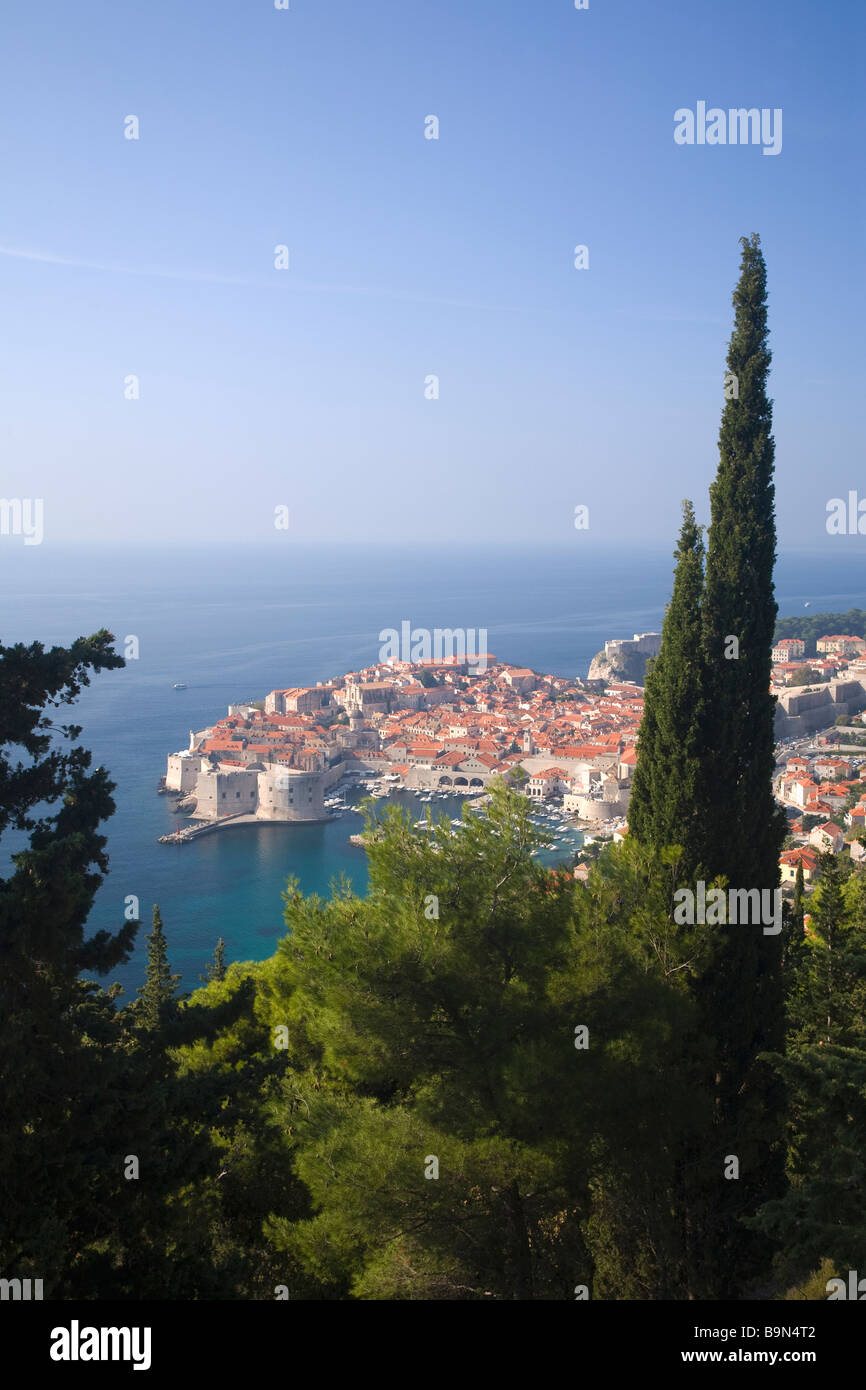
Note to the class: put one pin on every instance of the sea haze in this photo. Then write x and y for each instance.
(234, 623)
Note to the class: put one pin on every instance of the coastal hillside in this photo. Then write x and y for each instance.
(812, 626)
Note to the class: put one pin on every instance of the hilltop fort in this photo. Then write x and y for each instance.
(625, 658)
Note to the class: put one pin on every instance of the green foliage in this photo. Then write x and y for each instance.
(109, 1161)
(826, 988)
(62, 1050)
(435, 1018)
(821, 1215)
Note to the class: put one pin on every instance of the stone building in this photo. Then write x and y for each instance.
(181, 771)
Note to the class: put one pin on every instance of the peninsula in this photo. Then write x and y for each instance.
(444, 725)
(426, 726)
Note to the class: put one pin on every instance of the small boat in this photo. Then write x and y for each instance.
(180, 685)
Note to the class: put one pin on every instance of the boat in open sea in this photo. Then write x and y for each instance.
(180, 685)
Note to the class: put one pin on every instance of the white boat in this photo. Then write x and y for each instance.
(458, 823)
(180, 685)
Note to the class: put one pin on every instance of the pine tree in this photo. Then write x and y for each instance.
(821, 1216)
(157, 996)
(84, 1089)
(445, 1037)
(826, 983)
(665, 808)
(62, 1056)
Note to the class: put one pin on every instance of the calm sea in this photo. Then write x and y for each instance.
(234, 623)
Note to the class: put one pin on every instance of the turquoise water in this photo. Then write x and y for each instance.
(240, 872)
(235, 624)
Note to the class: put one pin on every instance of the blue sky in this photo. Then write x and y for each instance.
(412, 257)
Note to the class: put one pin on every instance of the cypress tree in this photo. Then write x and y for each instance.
(665, 806)
(216, 969)
(798, 912)
(157, 994)
(743, 828)
(793, 928)
(707, 749)
(799, 897)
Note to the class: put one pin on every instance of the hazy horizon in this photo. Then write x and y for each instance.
(154, 259)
